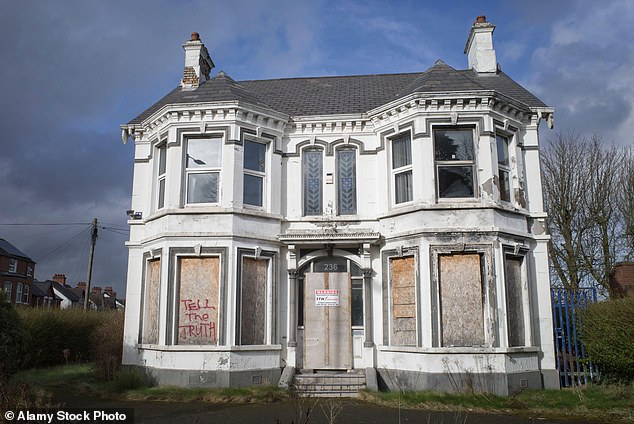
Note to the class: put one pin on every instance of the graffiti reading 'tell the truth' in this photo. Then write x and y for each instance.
(197, 321)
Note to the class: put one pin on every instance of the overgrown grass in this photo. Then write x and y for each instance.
(600, 401)
(252, 394)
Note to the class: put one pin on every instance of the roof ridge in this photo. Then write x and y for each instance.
(332, 77)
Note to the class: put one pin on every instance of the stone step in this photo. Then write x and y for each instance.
(329, 384)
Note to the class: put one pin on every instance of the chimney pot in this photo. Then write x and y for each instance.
(481, 19)
(195, 36)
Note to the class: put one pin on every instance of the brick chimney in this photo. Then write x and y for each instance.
(81, 285)
(59, 278)
(96, 291)
(108, 290)
(479, 48)
(198, 63)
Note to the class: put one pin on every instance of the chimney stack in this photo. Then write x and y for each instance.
(81, 285)
(479, 48)
(60, 278)
(96, 291)
(198, 63)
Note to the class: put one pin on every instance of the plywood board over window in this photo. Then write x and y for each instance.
(253, 302)
(461, 300)
(151, 302)
(198, 300)
(515, 301)
(403, 294)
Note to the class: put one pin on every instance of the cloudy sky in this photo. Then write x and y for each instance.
(73, 71)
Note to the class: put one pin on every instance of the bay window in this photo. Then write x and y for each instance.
(455, 164)
(203, 169)
(402, 168)
(254, 173)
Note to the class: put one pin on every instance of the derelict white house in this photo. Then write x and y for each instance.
(386, 227)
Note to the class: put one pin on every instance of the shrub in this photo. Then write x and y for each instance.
(58, 336)
(11, 338)
(130, 378)
(607, 336)
(107, 341)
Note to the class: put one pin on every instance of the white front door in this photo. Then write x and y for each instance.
(327, 321)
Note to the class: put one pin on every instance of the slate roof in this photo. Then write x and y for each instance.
(7, 249)
(342, 95)
(66, 291)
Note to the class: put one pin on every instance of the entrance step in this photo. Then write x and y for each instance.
(329, 383)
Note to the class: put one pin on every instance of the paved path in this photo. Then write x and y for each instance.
(348, 412)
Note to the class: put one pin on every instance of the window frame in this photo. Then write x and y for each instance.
(438, 164)
(522, 255)
(401, 170)
(504, 167)
(29, 271)
(8, 291)
(262, 175)
(13, 266)
(305, 153)
(187, 171)
(26, 289)
(161, 162)
(18, 293)
(338, 186)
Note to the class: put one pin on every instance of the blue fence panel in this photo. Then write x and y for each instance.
(574, 367)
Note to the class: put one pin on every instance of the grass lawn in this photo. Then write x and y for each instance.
(611, 402)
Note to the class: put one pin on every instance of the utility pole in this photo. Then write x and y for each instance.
(92, 255)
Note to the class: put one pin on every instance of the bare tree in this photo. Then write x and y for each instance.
(626, 200)
(563, 163)
(586, 196)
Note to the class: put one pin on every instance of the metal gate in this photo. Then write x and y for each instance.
(574, 367)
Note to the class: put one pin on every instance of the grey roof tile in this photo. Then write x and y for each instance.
(11, 250)
(341, 95)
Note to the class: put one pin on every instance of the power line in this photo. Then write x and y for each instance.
(47, 224)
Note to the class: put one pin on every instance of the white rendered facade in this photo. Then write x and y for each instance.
(443, 267)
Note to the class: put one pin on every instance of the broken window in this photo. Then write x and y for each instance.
(252, 301)
(504, 167)
(254, 173)
(461, 300)
(150, 329)
(203, 169)
(312, 163)
(454, 155)
(402, 168)
(162, 166)
(346, 181)
(403, 296)
(515, 301)
(198, 300)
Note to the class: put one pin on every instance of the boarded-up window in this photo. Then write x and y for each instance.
(403, 293)
(253, 301)
(151, 303)
(515, 301)
(461, 300)
(198, 300)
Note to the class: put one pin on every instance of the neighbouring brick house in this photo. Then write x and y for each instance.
(622, 280)
(386, 225)
(16, 273)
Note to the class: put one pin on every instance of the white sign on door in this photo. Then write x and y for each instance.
(327, 297)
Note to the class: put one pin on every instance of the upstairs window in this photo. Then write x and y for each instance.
(162, 162)
(504, 167)
(203, 169)
(454, 155)
(346, 182)
(402, 168)
(254, 173)
(29, 271)
(13, 266)
(312, 163)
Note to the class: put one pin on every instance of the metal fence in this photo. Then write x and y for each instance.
(574, 367)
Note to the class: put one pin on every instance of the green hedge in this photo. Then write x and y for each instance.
(608, 336)
(11, 339)
(61, 336)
